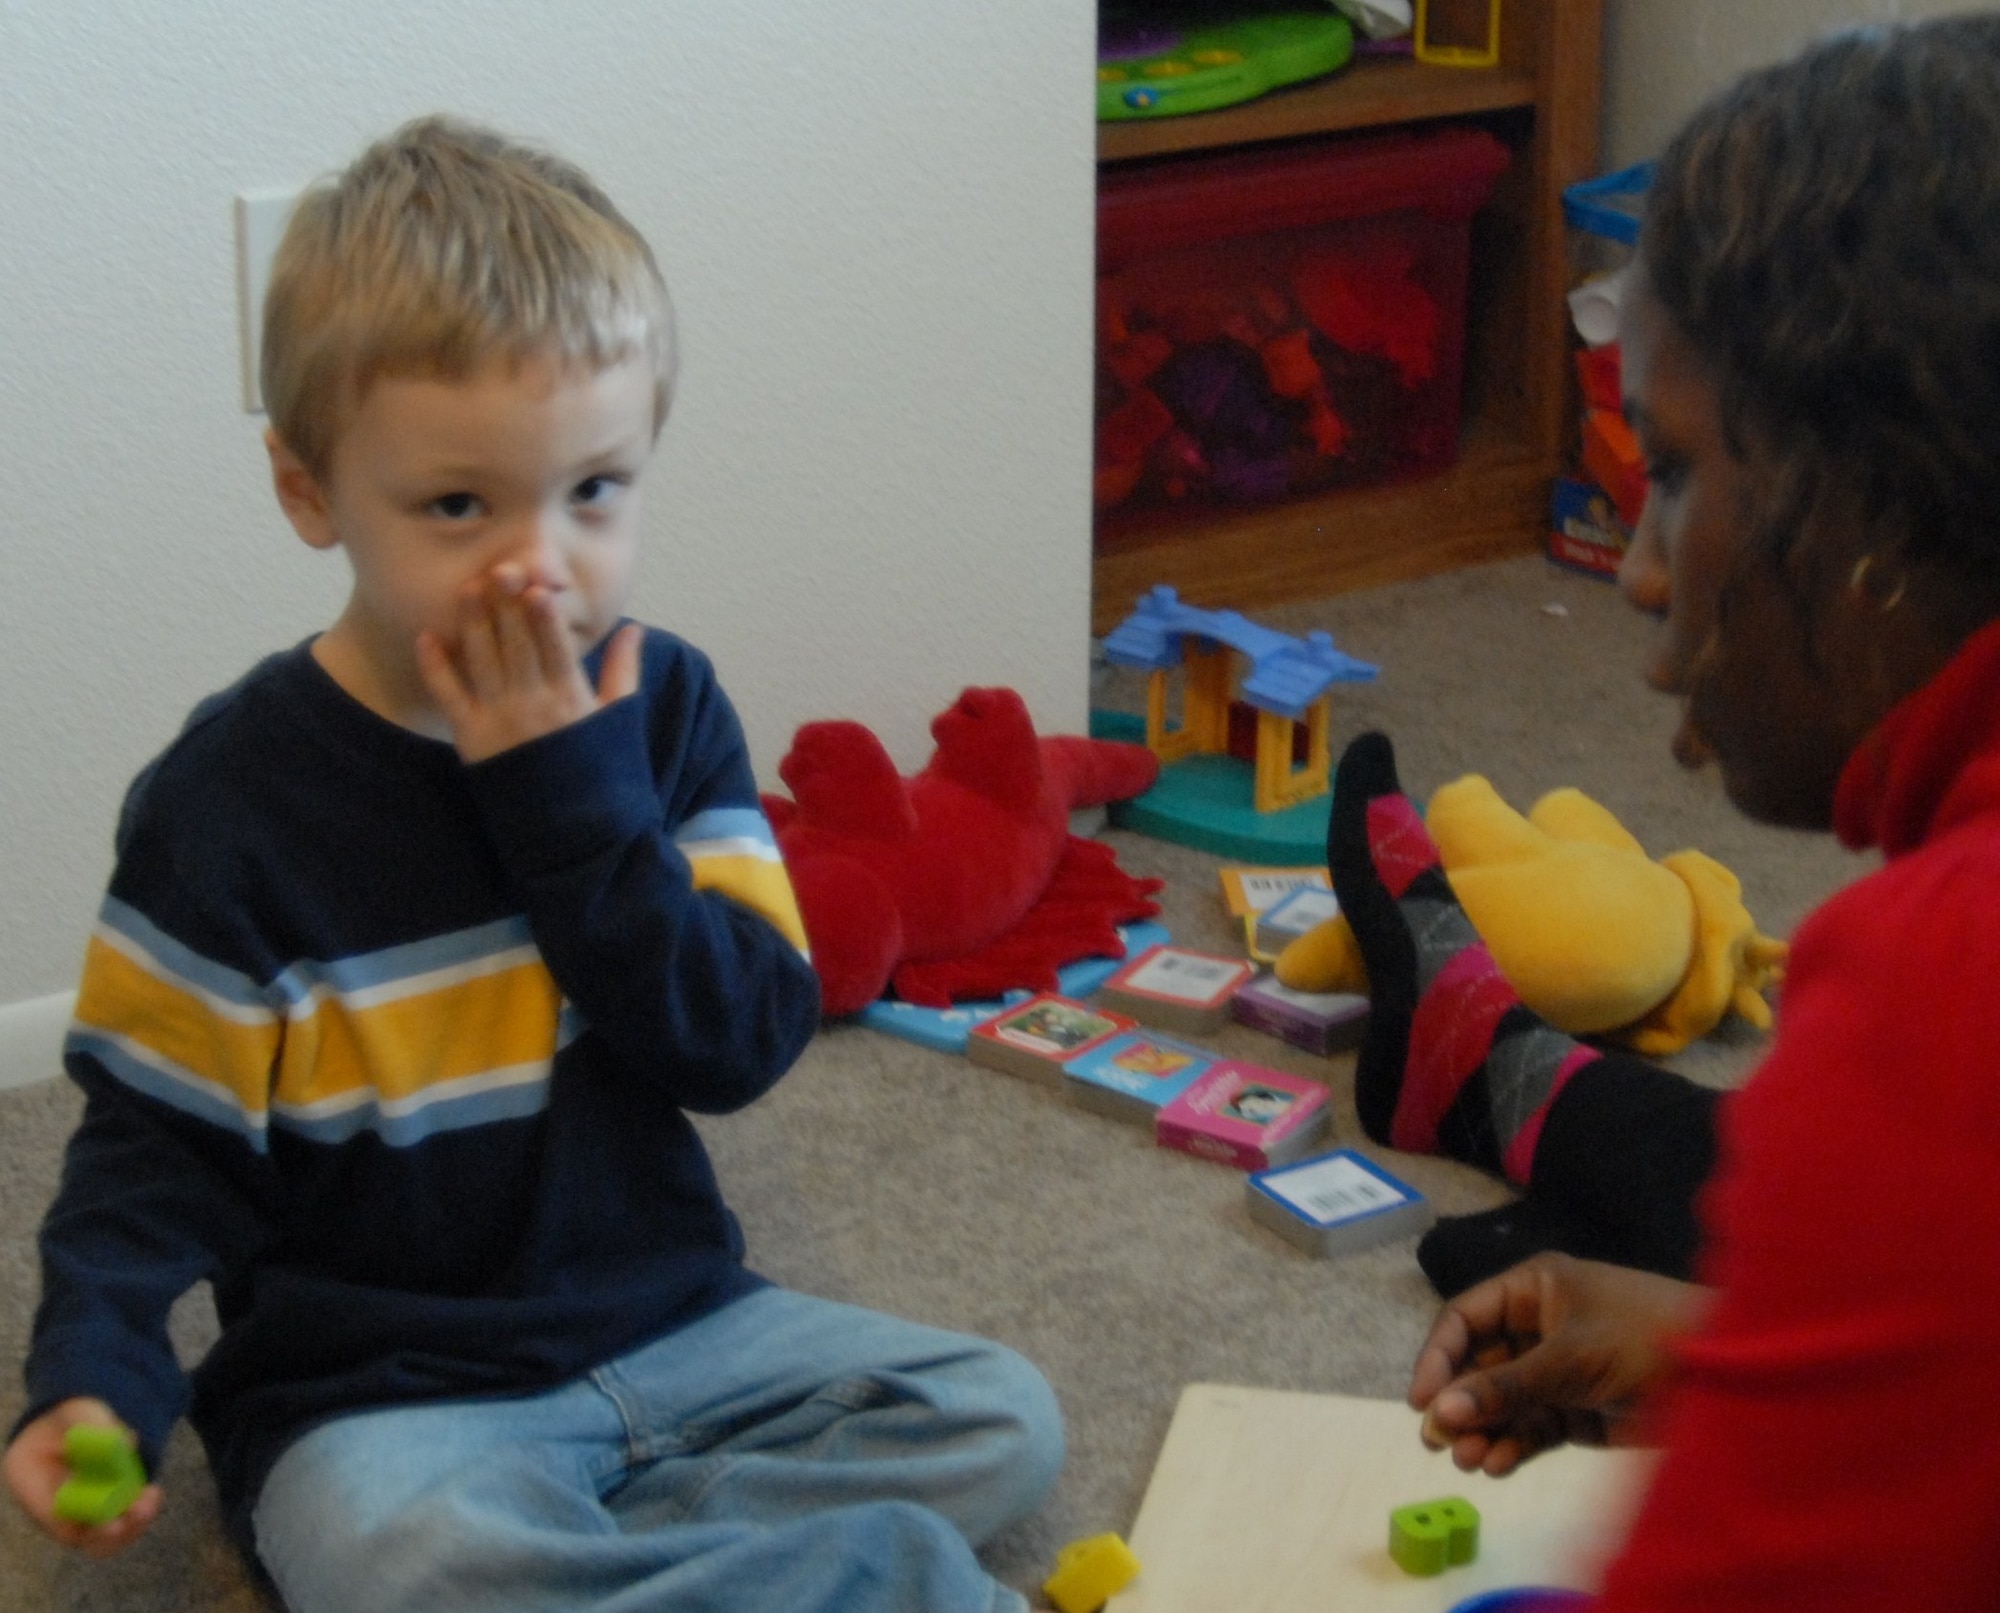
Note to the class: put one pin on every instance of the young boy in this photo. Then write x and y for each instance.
(422, 940)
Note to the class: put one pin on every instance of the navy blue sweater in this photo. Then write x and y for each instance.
(396, 1052)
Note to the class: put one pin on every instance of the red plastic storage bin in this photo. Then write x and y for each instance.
(1271, 324)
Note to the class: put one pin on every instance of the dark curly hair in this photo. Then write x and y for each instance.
(1826, 234)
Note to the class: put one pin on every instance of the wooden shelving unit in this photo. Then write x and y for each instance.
(1543, 101)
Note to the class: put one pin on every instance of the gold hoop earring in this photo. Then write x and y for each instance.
(1857, 585)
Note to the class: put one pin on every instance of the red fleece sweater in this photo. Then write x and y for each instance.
(1833, 1441)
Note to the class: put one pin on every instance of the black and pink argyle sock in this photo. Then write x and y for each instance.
(1452, 1063)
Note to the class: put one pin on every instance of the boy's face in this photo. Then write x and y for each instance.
(531, 471)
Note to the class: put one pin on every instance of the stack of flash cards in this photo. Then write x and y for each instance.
(1318, 1021)
(1133, 1077)
(1292, 916)
(1336, 1203)
(1036, 1038)
(1176, 989)
(1245, 1115)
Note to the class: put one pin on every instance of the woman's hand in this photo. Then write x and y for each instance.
(1556, 1350)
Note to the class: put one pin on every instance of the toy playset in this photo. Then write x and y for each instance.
(1245, 771)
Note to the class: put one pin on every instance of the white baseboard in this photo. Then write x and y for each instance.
(31, 1038)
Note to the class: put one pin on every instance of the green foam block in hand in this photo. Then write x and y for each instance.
(105, 1475)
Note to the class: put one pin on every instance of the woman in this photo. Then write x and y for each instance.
(1812, 364)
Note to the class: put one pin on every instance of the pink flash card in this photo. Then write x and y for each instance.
(1245, 1115)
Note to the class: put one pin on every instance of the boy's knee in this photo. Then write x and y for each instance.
(1021, 1395)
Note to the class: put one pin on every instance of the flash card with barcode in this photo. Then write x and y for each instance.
(1334, 1204)
(1177, 989)
(1249, 891)
(1295, 914)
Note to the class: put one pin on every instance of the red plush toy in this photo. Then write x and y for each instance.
(962, 881)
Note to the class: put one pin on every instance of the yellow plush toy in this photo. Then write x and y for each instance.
(1594, 935)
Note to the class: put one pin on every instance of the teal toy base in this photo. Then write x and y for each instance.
(1208, 802)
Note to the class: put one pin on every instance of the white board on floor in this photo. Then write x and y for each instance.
(1269, 1502)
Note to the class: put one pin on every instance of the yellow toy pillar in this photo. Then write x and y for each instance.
(1204, 726)
(1278, 784)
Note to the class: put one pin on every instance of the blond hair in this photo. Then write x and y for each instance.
(438, 250)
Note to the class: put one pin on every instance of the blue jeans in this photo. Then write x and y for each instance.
(782, 1453)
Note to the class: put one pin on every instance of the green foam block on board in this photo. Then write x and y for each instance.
(1427, 1537)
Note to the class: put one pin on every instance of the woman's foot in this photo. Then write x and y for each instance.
(1461, 1250)
(1452, 1062)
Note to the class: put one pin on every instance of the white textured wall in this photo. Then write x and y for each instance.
(1663, 57)
(876, 220)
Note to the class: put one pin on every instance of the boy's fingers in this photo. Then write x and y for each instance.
(441, 676)
(517, 637)
(619, 675)
(478, 651)
(555, 652)
(108, 1539)
(37, 1467)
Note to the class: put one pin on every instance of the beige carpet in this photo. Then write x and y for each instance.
(890, 1176)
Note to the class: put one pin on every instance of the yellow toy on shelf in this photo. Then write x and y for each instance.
(1596, 937)
(1486, 54)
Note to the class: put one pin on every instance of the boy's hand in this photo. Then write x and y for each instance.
(36, 1470)
(511, 673)
(1554, 1351)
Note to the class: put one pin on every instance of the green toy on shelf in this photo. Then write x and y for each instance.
(1150, 67)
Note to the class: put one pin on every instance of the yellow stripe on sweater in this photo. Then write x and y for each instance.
(759, 883)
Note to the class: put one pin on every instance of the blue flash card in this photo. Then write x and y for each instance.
(1336, 1203)
(1132, 1077)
